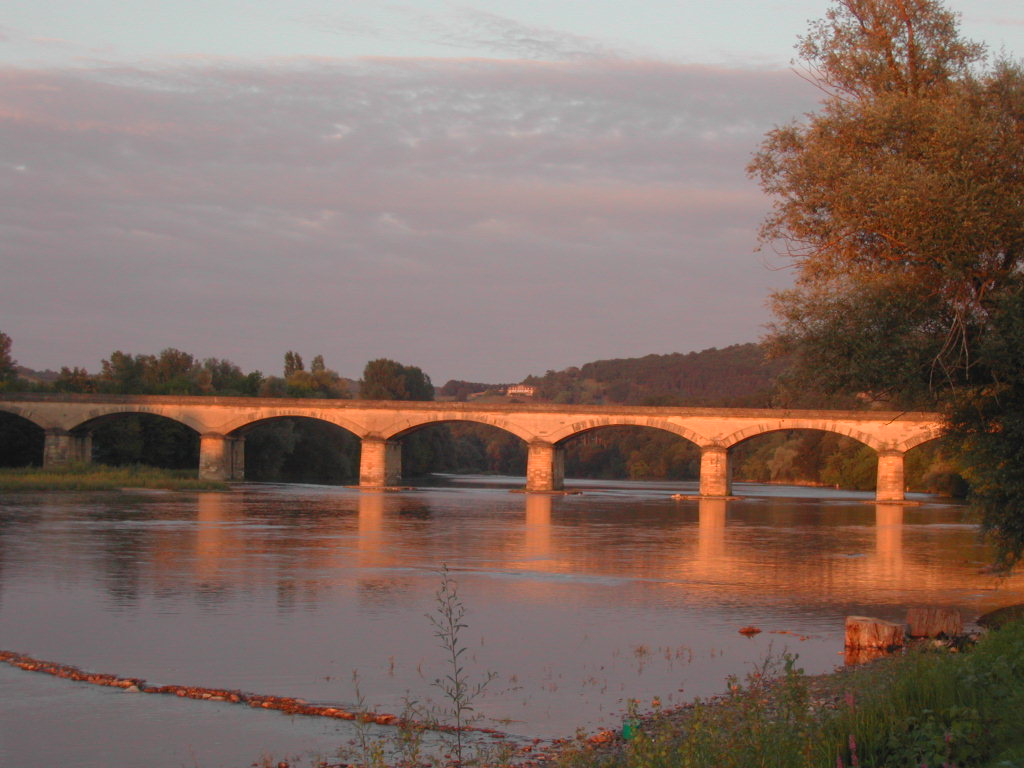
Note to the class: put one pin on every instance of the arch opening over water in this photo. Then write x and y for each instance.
(805, 457)
(459, 446)
(138, 437)
(635, 452)
(21, 441)
(298, 449)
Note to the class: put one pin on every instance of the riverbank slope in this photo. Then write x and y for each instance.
(927, 707)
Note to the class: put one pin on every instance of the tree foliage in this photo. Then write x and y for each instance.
(292, 363)
(901, 204)
(987, 423)
(899, 200)
(736, 375)
(319, 381)
(864, 48)
(300, 450)
(172, 372)
(385, 379)
(7, 372)
(141, 438)
(460, 390)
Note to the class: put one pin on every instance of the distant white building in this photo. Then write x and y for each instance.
(525, 390)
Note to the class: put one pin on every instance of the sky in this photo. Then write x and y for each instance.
(486, 190)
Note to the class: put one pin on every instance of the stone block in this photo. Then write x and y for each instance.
(870, 633)
(934, 622)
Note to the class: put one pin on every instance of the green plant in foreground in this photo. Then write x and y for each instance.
(369, 749)
(932, 708)
(456, 686)
(927, 709)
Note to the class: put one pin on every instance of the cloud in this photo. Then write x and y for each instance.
(482, 219)
(344, 24)
(58, 42)
(474, 29)
(464, 29)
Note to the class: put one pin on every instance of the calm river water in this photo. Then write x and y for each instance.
(576, 603)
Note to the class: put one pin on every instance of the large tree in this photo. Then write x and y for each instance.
(385, 379)
(901, 204)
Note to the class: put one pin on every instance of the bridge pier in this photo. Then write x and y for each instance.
(890, 484)
(545, 467)
(221, 457)
(380, 462)
(237, 447)
(715, 471)
(61, 448)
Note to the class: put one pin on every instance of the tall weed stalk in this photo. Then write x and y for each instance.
(457, 687)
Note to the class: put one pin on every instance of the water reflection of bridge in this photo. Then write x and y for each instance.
(707, 550)
(222, 423)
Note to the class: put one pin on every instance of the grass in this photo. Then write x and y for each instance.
(927, 708)
(98, 477)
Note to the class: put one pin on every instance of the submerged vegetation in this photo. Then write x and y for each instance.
(98, 477)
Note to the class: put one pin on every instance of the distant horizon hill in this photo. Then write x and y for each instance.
(737, 375)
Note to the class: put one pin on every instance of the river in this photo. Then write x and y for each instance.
(574, 603)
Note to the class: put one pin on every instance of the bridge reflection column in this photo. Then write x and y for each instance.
(545, 467)
(537, 539)
(237, 447)
(711, 533)
(889, 485)
(715, 471)
(889, 538)
(380, 462)
(61, 447)
(370, 542)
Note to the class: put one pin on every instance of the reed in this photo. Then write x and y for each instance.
(99, 477)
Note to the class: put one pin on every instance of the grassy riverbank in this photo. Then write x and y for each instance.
(98, 477)
(925, 708)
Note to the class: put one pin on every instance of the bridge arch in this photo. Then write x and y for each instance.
(802, 455)
(888, 466)
(638, 452)
(569, 431)
(297, 448)
(930, 434)
(394, 452)
(28, 414)
(846, 430)
(405, 426)
(236, 424)
(112, 410)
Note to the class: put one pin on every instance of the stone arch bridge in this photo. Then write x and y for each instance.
(222, 422)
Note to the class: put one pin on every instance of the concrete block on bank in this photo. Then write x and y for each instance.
(934, 622)
(865, 632)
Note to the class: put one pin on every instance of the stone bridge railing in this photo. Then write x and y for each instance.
(222, 423)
